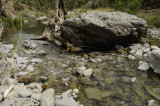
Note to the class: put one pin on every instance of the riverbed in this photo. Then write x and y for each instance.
(115, 81)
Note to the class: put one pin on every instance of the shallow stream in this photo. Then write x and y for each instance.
(116, 80)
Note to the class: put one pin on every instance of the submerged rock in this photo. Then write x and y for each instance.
(103, 30)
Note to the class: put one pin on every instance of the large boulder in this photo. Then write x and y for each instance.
(103, 30)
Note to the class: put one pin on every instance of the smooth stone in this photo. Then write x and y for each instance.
(132, 51)
(36, 96)
(147, 50)
(143, 66)
(155, 48)
(30, 68)
(138, 54)
(47, 98)
(19, 101)
(24, 93)
(20, 74)
(37, 60)
(36, 91)
(22, 60)
(88, 72)
(66, 102)
(41, 52)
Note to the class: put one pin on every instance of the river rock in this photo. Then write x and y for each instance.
(41, 52)
(30, 68)
(6, 48)
(154, 60)
(88, 72)
(30, 44)
(24, 93)
(66, 102)
(155, 48)
(47, 98)
(37, 60)
(1, 97)
(67, 94)
(7, 102)
(143, 66)
(36, 96)
(103, 30)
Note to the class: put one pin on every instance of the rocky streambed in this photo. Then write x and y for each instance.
(43, 74)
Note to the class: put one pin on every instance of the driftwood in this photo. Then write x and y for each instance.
(53, 32)
(8, 91)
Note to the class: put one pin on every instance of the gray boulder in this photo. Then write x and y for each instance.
(154, 60)
(104, 30)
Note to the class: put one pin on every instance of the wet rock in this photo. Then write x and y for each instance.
(88, 72)
(20, 74)
(103, 30)
(95, 93)
(30, 68)
(6, 48)
(24, 93)
(154, 60)
(66, 102)
(47, 98)
(37, 60)
(126, 79)
(143, 66)
(85, 81)
(30, 44)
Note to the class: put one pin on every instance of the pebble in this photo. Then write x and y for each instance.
(88, 72)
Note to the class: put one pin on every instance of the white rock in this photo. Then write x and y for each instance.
(80, 70)
(22, 60)
(155, 48)
(143, 66)
(88, 72)
(147, 50)
(133, 51)
(6, 48)
(136, 47)
(36, 96)
(146, 45)
(138, 55)
(133, 79)
(30, 68)
(66, 102)
(10, 60)
(41, 52)
(67, 94)
(75, 91)
(24, 93)
(37, 60)
(47, 98)
(151, 103)
(131, 57)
